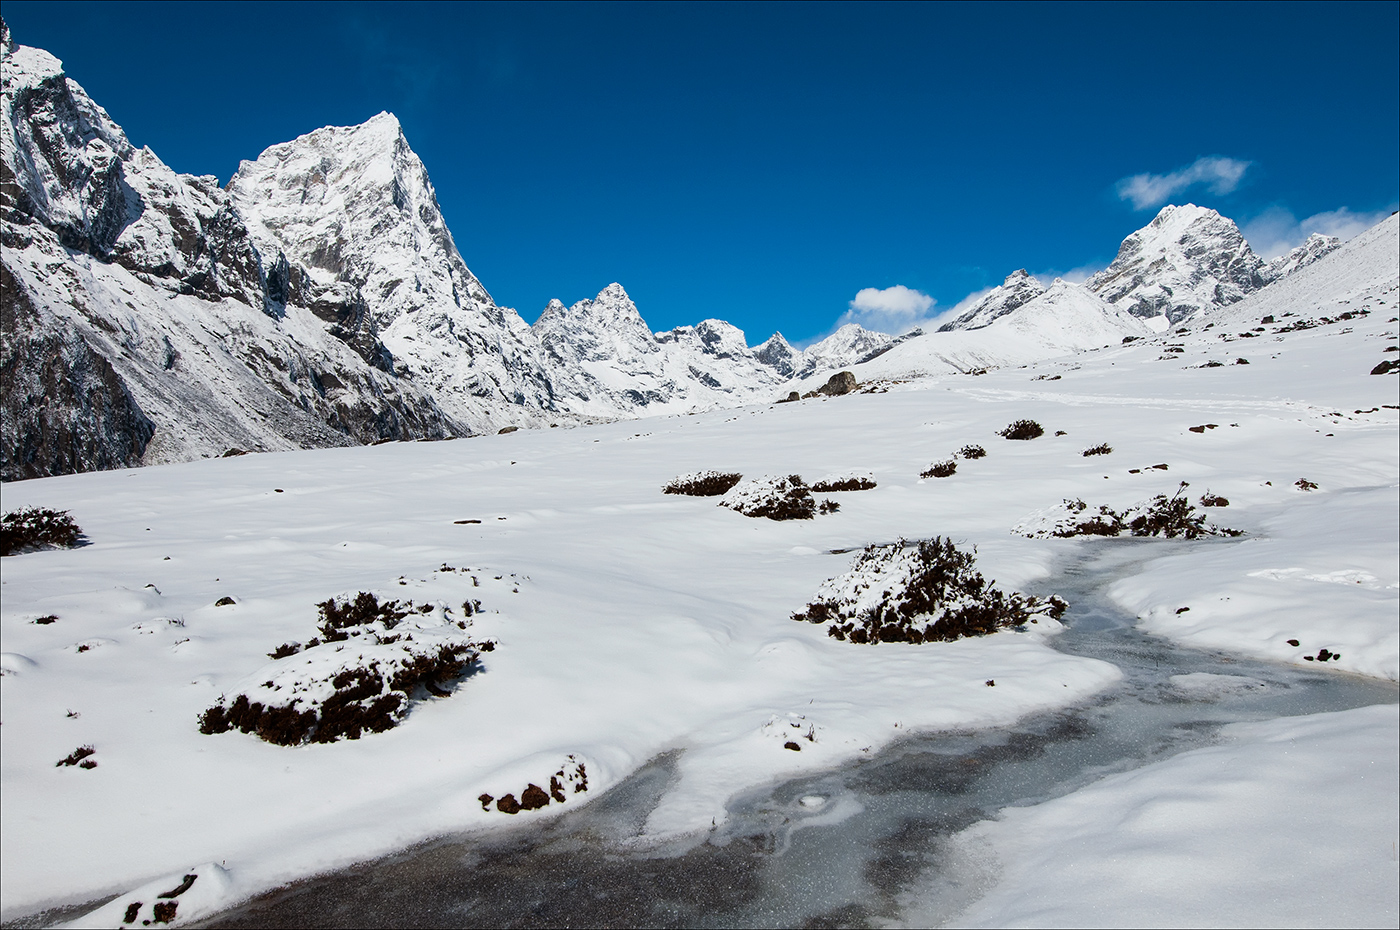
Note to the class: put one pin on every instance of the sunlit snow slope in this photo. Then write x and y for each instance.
(629, 622)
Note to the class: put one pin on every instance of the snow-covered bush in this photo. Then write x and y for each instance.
(942, 469)
(1023, 429)
(375, 660)
(32, 528)
(972, 452)
(860, 481)
(918, 592)
(1171, 517)
(1102, 448)
(703, 483)
(781, 497)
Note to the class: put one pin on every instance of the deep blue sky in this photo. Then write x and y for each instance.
(764, 163)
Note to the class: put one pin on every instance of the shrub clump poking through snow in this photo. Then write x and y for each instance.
(972, 452)
(1171, 517)
(1023, 429)
(1102, 448)
(940, 469)
(858, 482)
(919, 592)
(703, 483)
(782, 497)
(32, 528)
(376, 659)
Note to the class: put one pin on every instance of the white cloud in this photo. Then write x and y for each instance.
(1275, 231)
(1146, 191)
(893, 310)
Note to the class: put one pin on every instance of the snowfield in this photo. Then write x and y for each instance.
(627, 622)
(1290, 823)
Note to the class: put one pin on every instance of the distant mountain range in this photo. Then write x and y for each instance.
(318, 299)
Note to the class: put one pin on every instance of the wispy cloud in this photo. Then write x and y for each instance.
(893, 310)
(1277, 230)
(1220, 175)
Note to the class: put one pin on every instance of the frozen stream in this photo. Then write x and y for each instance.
(843, 848)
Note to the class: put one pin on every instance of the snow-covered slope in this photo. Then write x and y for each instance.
(848, 345)
(1316, 246)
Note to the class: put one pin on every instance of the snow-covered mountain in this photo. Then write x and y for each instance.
(319, 299)
(349, 217)
(141, 322)
(606, 362)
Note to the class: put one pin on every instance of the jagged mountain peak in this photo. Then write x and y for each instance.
(354, 205)
(607, 326)
(1188, 259)
(778, 354)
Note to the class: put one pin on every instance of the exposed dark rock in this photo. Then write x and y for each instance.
(843, 382)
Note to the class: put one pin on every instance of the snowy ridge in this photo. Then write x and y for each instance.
(1064, 319)
(1018, 289)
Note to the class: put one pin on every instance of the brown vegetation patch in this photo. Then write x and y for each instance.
(77, 756)
(1023, 429)
(942, 469)
(856, 483)
(30, 529)
(703, 484)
